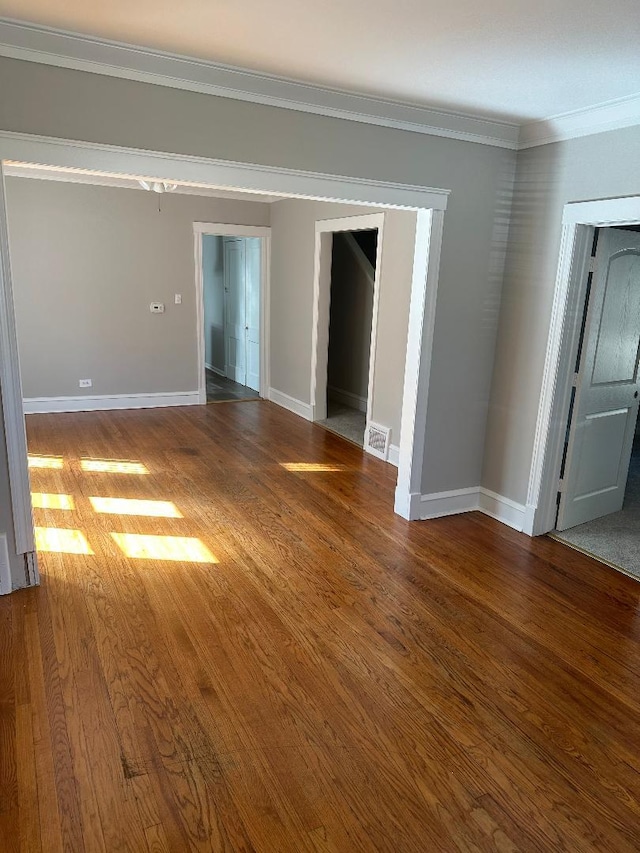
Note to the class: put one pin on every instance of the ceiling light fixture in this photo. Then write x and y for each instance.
(158, 186)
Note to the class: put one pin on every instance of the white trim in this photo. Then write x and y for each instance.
(347, 398)
(107, 402)
(503, 509)
(363, 261)
(472, 499)
(71, 176)
(439, 504)
(213, 369)
(579, 219)
(303, 410)
(6, 584)
(48, 46)
(218, 229)
(219, 174)
(394, 455)
(600, 118)
(321, 300)
(11, 391)
(417, 371)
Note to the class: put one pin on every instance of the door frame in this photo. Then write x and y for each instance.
(430, 204)
(323, 254)
(579, 221)
(218, 229)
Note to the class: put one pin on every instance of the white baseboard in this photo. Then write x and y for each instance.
(503, 509)
(394, 455)
(303, 410)
(45, 405)
(438, 504)
(347, 398)
(5, 568)
(215, 369)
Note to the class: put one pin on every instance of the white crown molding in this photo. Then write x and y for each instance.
(32, 43)
(612, 115)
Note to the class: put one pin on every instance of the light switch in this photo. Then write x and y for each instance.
(157, 307)
(178, 299)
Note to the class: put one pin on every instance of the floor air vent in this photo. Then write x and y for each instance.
(378, 440)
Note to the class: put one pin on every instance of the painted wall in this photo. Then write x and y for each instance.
(213, 286)
(292, 253)
(87, 261)
(600, 166)
(350, 322)
(68, 104)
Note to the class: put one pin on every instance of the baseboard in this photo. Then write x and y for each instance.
(303, 410)
(215, 369)
(503, 509)
(347, 398)
(394, 455)
(46, 405)
(438, 504)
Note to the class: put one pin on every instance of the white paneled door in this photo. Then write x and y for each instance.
(605, 407)
(242, 309)
(252, 291)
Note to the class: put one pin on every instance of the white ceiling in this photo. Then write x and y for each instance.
(517, 60)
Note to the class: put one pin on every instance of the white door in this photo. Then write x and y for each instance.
(606, 400)
(252, 290)
(235, 310)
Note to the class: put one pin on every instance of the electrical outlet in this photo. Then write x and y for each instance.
(85, 383)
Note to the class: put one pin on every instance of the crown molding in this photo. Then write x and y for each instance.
(611, 115)
(48, 46)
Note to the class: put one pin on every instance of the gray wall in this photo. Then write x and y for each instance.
(87, 261)
(600, 166)
(213, 286)
(350, 321)
(70, 104)
(292, 252)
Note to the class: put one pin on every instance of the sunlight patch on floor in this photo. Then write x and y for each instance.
(41, 500)
(311, 467)
(113, 466)
(61, 541)
(36, 461)
(180, 548)
(131, 506)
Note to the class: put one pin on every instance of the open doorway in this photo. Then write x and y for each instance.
(599, 480)
(232, 283)
(231, 314)
(353, 273)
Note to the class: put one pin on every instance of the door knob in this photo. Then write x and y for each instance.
(635, 396)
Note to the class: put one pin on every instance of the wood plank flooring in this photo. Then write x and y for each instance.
(337, 680)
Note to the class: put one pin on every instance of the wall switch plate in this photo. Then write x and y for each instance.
(157, 307)
(85, 383)
(178, 299)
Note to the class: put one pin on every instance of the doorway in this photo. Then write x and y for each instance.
(346, 296)
(353, 273)
(599, 479)
(232, 282)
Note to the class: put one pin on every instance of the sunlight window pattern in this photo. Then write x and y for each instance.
(113, 466)
(179, 548)
(130, 506)
(311, 467)
(61, 541)
(41, 500)
(36, 461)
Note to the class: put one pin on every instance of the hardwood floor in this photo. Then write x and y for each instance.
(337, 680)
